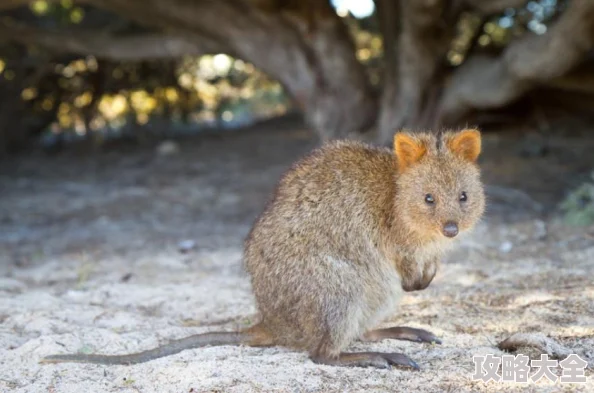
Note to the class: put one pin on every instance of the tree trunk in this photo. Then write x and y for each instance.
(339, 101)
(416, 55)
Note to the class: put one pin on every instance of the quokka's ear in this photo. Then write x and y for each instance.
(466, 144)
(408, 150)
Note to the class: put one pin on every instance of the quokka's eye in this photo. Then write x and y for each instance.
(429, 199)
(463, 197)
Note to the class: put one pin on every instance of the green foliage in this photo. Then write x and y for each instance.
(578, 206)
(63, 12)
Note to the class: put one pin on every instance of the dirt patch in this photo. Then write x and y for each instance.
(89, 261)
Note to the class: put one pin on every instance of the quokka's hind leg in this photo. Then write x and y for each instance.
(328, 353)
(366, 359)
(402, 333)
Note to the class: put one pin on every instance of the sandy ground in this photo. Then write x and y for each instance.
(89, 262)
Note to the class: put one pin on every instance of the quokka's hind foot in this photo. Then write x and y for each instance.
(402, 333)
(367, 359)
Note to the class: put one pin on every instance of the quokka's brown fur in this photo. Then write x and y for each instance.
(349, 228)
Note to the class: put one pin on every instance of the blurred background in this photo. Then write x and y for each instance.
(97, 70)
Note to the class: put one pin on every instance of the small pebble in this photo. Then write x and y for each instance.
(168, 148)
(126, 277)
(186, 245)
(506, 247)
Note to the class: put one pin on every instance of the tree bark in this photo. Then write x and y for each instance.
(137, 47)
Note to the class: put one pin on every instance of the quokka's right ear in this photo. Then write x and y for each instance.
(408, 150)
(466, 144)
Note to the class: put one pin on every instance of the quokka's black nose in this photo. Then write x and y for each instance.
(450, 229)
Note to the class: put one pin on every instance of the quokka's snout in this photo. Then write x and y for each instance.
(450, 229)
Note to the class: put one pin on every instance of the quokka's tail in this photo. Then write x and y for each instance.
(251, 337)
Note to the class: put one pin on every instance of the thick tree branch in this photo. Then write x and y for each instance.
(485, 82)
(252, 36)
(104, 45)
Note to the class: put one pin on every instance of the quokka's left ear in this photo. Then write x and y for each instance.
(466, 144)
